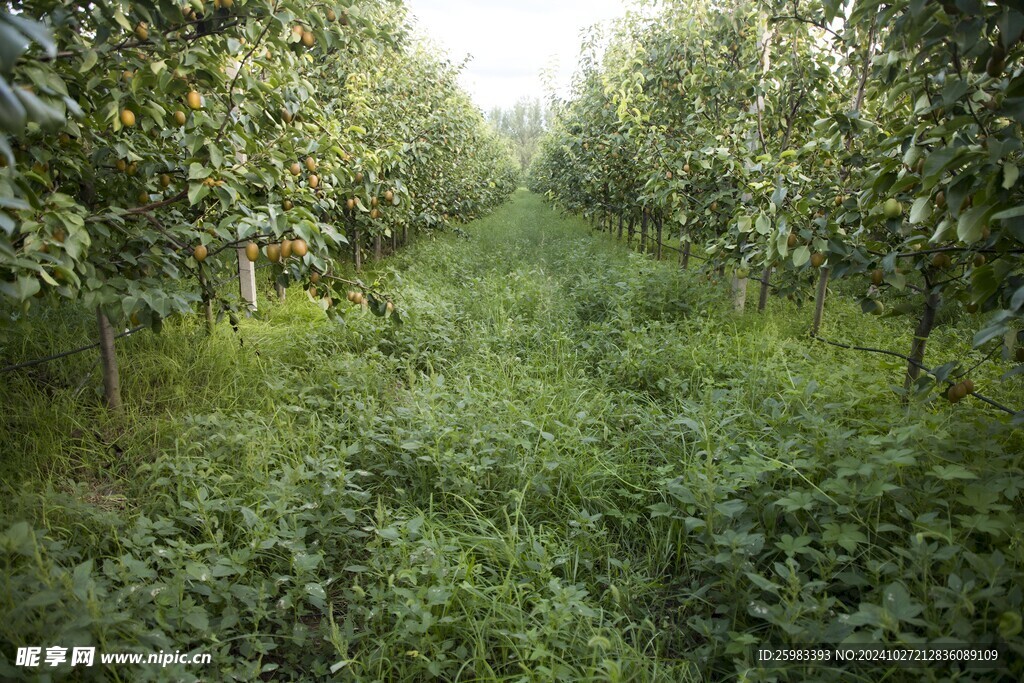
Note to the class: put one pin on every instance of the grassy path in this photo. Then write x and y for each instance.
(571, 463)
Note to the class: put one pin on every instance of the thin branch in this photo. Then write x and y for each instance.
(160, 204)
(994, 351)
(806, 20)
(129, 44)
(943, 250)
(238, 72)
(163, 231)
(251, 238)
(959, 72)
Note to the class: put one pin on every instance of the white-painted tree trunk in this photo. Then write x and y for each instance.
(739, 292)
(246, 279)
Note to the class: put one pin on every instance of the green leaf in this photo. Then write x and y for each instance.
(307, 563)
(198, 571)
(849, 536)
(971, 224)
(921, 209)
(948, 472)
(88, 61)
(936, 163)
(801, 255)
(196, 192)
(122, 20)
(18, 538)
(34, 30)
(899, 604)
(997, 327)
(216, 155)
(12, 46)
(1010, 174)
(12, 111)
(197, 171)
(1015, 212)
(25, 287)
(897, 280)
(763, 225)
(198, 619)
(1017, 300)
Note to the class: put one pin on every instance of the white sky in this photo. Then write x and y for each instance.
(511, 41)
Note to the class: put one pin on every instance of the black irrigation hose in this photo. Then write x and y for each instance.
(47, 359)
(707, 260)
(980, 397)
(910, 360)
(40, 361)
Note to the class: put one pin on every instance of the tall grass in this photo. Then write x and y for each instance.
(570, 463)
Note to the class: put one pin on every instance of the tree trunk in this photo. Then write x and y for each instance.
(917, 347)
(819, 301)
(281, 291)
(631, 231)
(766, 276)
(246, 279)
(658, 223)
(684, 255)
(405, 235)
(204, 286)
(356, 252)
(739, 292)
(111, 377)
(619, 237)
(377, 250)
(643, 233)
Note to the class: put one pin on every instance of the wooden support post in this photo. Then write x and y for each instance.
(246, 279)
(111, 376)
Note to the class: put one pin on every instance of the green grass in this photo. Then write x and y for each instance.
(570, 463)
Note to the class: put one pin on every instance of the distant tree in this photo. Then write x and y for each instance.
(524, 124)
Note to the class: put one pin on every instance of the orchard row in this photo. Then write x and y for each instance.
(148, 146)
(874, 141)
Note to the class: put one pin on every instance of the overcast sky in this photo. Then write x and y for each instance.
(511, 41)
